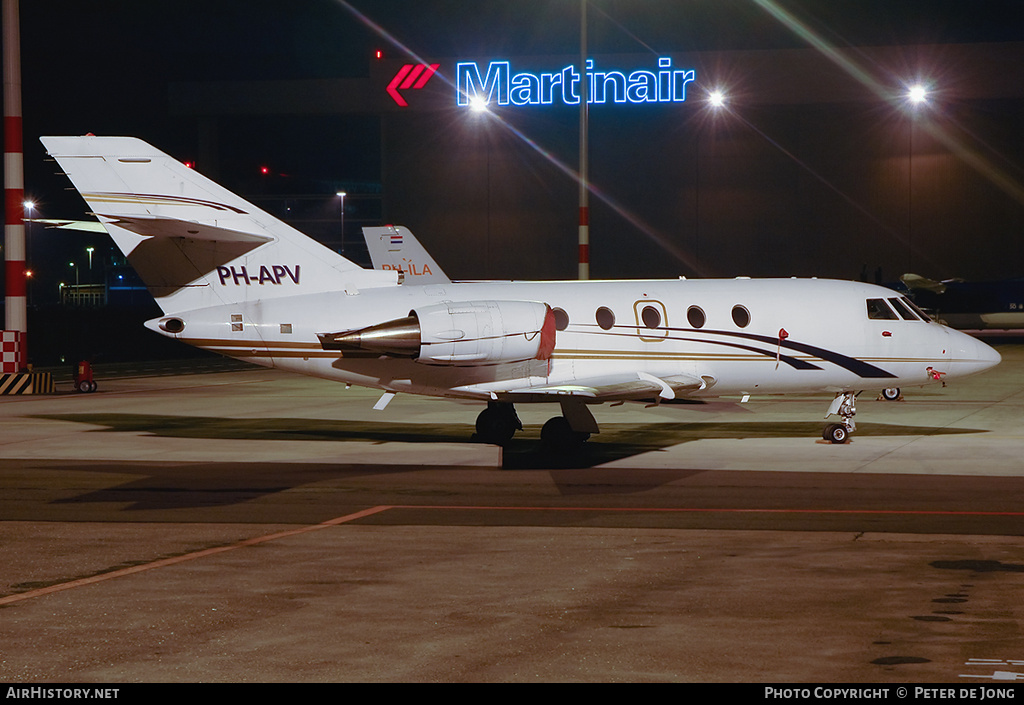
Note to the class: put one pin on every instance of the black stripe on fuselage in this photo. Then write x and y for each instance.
(857, 367)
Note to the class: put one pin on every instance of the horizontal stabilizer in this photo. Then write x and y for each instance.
(172, 227)
(87, 226)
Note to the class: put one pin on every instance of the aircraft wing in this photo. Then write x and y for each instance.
(395, 247)
(617, 387)
(916, 281)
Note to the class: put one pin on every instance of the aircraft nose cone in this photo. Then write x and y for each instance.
(975, 356)
(988, 355)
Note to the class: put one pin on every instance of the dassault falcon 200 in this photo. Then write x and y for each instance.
(232, 279)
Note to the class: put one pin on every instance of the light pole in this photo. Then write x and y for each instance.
(481, 112)
(716, 102)
(341, 200)
(584, 226)
(29, 206)
(917, 97)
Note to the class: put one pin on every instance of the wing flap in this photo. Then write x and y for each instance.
(623, 387)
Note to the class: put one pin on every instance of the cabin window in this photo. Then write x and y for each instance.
(651, 317)
(905, 313)
(605, 318)
(740, 316)
(878, 310)
(695, 315)
(561, 318)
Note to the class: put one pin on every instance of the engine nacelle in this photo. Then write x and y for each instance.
(485, 332)
(461, 333)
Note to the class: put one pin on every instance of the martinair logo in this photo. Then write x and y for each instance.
(410, 77)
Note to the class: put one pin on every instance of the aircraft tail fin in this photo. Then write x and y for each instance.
(194, 243)
(396, 248)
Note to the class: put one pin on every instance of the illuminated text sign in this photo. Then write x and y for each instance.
(496, 83)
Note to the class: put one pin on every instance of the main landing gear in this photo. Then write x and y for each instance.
(498, 423)
(558, 435)
(566, 433)
(844, 406)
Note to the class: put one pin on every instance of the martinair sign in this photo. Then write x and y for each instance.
(497, 83)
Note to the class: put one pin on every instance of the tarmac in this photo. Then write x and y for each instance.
(251, 526)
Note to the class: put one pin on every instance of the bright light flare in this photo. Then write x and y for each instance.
(478, 104)
(917, 94)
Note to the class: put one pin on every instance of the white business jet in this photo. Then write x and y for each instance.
(232, 279)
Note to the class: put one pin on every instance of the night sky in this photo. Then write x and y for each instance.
(105, 66)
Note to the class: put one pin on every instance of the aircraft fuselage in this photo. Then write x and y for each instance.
(740, 336)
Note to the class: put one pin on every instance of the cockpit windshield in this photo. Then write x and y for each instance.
(894, 309)
(878, 310)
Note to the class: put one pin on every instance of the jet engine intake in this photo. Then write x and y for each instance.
(461, 333)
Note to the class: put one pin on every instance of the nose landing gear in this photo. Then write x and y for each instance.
(891, 394)
(844, 406)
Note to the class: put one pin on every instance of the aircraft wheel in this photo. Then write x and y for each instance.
(836, 433)
(891, 393)
(558, 435)
(497, 424)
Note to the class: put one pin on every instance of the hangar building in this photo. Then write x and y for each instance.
(814, 166)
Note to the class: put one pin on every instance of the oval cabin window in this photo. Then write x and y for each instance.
(651, 317)
(695, 315)
(561, 318)
(740, 316)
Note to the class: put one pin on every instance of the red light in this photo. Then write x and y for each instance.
(264, 170)
(379, 54)
(190, 165)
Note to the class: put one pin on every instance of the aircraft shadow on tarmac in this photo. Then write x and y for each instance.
(210, 485)
(525, 451)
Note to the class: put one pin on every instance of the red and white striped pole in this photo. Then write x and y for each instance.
(584, 226)
(14, 182)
